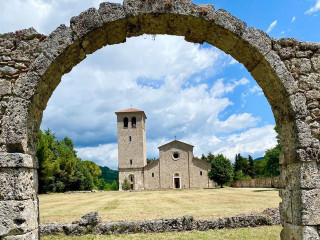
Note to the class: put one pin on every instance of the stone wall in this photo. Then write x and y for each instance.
(257, 183)
(32, 65)
(91, 224)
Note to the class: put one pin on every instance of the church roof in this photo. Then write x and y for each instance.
(131, 110)
(175, 141)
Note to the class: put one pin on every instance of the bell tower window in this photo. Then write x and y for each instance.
(130, 161)
(133, 122)
(125, 122)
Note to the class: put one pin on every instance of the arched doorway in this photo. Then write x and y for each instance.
(290, 84)
(131, 180)
(176, 181)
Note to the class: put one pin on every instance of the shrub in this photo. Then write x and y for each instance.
(126, 185)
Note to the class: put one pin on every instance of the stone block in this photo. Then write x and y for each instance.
(316, 62)
(310, 200)
(40, 64)
(18, 217)
(299, 155)
(258, 39)
(33, 235)
(21, 124)
(225, 20)
(86, 22)
(57, 42)
(110, 12)
(6, 70)
(251, 48)
(304, 175)
(304, 134)
(299, 104)
(309, 81)
(287, 53)
(5, 87)
(291, 231)
(18, 160)
(139, 7)
(285, 206)
(300, 65)
(18, 183)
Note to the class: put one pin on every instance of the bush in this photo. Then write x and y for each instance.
(126, 185)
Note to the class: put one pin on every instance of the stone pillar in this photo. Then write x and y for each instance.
(18, 169)
(18, 197)
(300, 172)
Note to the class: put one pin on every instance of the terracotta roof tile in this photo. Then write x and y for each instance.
(131, 110)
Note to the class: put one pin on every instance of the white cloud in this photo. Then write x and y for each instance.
(220, 88)
(314, 9)
(237, 122)
(103, 154)
(293, 18)
(253, 141)
(271, 26)
(44, 15)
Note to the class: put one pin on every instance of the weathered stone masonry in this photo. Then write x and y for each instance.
(31, 67)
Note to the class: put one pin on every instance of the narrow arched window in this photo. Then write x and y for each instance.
(125, 122)
(133, 122)
(200, 173)
(130, 161)
(152, 174)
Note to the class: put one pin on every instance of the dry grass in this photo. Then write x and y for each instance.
(113, 206)
(261, 233)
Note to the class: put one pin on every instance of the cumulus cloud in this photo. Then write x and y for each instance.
(271, 26)
(313, 9)
(44, 15)
(220, 88)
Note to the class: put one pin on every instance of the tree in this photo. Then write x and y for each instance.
(126, 185)
(272, 158)
(251, 167)
(241, 168)
(272, 161)
(60, 168)
(221, 170)
(207, 158)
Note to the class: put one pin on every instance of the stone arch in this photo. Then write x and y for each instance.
(286, 70)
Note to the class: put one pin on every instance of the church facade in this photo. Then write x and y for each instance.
(176, 167)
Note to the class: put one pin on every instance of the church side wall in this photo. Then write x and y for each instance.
(197, 180)
(152, 182)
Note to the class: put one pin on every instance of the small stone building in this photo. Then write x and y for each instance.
(176, 167)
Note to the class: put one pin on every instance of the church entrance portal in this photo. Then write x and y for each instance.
(176, 181)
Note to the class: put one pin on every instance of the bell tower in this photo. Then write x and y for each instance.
(132, 156)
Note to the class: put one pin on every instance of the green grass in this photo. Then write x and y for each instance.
(135, 206)
(261, 233)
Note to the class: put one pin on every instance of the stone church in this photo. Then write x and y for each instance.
(176, 167)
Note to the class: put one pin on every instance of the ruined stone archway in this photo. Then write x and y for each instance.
(286, 70)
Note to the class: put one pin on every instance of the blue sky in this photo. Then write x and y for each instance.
(194, 92)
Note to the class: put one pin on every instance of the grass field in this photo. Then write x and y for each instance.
(261, 233)
(113, 206)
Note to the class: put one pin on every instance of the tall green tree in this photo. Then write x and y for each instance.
(250, 167)
(60, 168)
(221, 170)
(241, 168)
(272, 158)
